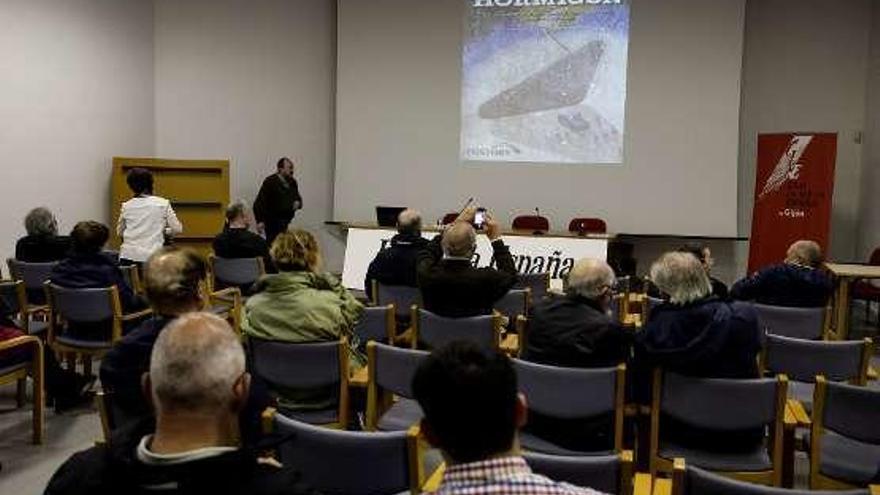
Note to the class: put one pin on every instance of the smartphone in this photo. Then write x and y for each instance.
(480, 218)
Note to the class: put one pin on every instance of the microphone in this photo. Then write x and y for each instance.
(537, 212)
(538, 215)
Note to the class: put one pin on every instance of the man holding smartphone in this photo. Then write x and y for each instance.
(450, 285)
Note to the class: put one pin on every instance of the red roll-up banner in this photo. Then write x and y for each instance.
(793, 188)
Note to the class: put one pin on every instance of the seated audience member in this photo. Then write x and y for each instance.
(174, 281)
(696, 334)
(450, 285)
(704, 254)
(145, 221)
(42, 244)
(575, 330)
(198, 383)
(302, 304)
(237, 240)
(396, 264)
(796, 283)
(472, 413)
(88, 267)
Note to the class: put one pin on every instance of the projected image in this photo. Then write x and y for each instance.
(544, 83)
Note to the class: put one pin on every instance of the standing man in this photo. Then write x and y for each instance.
(277, 201)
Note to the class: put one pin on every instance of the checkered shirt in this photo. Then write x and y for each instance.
(503, 476)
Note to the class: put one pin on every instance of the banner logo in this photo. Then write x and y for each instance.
(789, 166)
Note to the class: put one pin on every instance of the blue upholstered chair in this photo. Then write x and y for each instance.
(390, 402)
(15, 300)
(516, 302)
(801, 323)
(376, 323)
(538, 283)
(401, 296)
(235, 272)
(433, 331)
(611, 473)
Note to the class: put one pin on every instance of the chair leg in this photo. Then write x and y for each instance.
(71, 361)
(87, 365)
(20, 392)
(39, 391)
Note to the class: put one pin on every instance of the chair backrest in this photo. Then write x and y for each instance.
(436, 331)
(34, 275)
(376, 323)
(587, 226)
(601, 473)
(569, 393)
(401, 296)
(392, 368)
(801, 323)
(449, 218)
(84, 305)
(298, 365)
(720, 404)
(538, 283)
(236, 272)
(132, 277)
(348, 462)
(803, 359)
(697, 481)
(531, 222)
(12, 295)
(515, 302)
(848, 410)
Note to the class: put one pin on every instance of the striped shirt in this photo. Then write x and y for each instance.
(503, 476)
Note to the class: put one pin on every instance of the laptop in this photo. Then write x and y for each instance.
(386, 216)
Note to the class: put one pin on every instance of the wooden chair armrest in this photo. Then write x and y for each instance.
(642, 484)
(359, 377)
(874, 489)
(432, 484)
(43, 308)
(230, 292)
(662, 486)
(19, 341)
(872, 373)
(137, 315)
(799, 412)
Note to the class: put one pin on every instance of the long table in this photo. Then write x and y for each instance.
(553, 252)
(844, 275)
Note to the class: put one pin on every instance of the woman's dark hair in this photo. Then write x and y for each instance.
(282, 161)
(89, 237)
(140, 180)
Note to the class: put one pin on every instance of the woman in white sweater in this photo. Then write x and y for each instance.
(145, 220)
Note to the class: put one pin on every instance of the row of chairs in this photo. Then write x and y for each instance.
(542, 224)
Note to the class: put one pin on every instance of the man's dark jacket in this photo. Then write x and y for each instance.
(242, 243)
(785, 285)
(95, 271)
(274, 203)
(574, 332)
(114, 468)
(396, 264)
(42, 248)
(455, 288)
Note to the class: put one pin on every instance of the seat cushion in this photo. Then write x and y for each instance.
(534, 443)
(34, 327)
(848, 460)
(403, 414)
(13, 368)
(757, 459)
(313, 417)
(85, 344)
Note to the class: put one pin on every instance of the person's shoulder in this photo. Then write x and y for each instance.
(270, 478)
(80, 473)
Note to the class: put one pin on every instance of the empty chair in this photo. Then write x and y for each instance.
(348, 462)
(866, 290)
(18, 372)
(801, 323)
(537, 283)
(305, 367)
(433, 331)
(86, 322)
(732, 408)
(235, 272)
(575, 399)
(376, 323)
(691, 480)
(587, 226)
(449, 218)
(390, 402)
(531, 222)
(611, 473)
(802, 360)
(401, 296)
(516, 302)
(34, 275)
(844, 435)
(15, 303)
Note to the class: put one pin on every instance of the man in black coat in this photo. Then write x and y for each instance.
(278, 200)
(237, 240)
(796, 283)
(575, 330)
(450, 285)
(194, 445)
(396, 264)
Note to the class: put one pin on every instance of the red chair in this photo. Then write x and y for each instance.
(449, 218)
(864, 290)
(587, 226)
(531, 222)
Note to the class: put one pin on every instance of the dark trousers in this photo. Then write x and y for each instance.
(275, 227)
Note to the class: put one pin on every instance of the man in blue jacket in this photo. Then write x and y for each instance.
(796, 283)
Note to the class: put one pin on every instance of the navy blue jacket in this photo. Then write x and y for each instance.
(785, 285)
(396, 264)
(95, 271)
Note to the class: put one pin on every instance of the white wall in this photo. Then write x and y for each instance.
(76, 88)
(805, 67)
(251, 81)
(869, 231)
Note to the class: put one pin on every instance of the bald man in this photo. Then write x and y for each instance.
(198, 385)
(450, 285)
(798, 282)
(396, 264)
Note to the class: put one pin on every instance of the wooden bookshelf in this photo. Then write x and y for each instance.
(198, 191)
